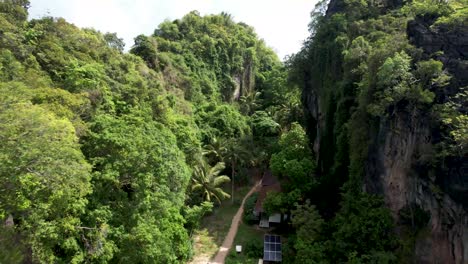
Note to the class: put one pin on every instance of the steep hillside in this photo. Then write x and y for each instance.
(114, 157)
(385, 94)
(104, 153)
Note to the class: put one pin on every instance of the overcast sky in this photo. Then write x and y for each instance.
(281, 23)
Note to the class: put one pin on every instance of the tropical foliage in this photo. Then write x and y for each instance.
(101, 149)
(209, 182)
(109, 156)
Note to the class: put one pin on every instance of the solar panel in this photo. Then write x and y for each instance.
(272, 248)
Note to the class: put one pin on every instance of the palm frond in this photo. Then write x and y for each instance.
(220, 180)
(220, 192)
(197, 186)
(217, 169)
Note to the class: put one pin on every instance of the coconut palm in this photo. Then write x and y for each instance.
(207, 179)
(236, 155)
(232, 152)
(249, 103)
(216, 150)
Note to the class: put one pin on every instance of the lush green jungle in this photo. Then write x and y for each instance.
(108, 156)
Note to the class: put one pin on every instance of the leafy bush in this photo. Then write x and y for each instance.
(431, 8)
(221, 120)
(263, 125)
(249, 206)
(362, 225)
(254, 248)
(294, 158)
(396, 82)
(11, 249)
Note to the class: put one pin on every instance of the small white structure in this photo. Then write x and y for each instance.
(238, 248)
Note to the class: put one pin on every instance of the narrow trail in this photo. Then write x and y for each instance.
(227, 244)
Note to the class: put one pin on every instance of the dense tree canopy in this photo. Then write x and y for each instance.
(109, 156)
(45, 178)
(99, 146)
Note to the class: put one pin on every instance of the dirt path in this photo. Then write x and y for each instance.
(227, 244)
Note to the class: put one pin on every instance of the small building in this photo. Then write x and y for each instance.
(269, 184)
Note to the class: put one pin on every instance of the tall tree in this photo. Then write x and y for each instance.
(236, 155)
(250, 102)
(140, 183)
(294, 159)
(209, 182)
(44, 180)
(216, 150)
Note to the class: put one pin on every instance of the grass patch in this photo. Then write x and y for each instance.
(251, 240)
(215, 226)
(204, 243)
(219, 221)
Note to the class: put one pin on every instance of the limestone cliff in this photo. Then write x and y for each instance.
(401, 144)
(398, 161)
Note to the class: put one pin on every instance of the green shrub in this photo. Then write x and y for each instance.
(254, 248)
(249, 205)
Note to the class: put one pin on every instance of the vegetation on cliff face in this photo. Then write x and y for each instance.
(359, 71)
(114, 157)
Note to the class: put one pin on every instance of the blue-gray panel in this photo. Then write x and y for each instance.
(278, 256)
(277, 247)
(272, 248)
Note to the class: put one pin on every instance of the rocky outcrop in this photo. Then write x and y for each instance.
(394, 170)
(244, 81)
(452, 40)
(446, 43)
(402, 150)
(399, 164)
(310, 100)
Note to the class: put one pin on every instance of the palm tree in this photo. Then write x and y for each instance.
(249, 103)
(236, 154)
(216, 150)
(232, 151)
(208, 180)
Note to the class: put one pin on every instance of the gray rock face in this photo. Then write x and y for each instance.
(405, 140)
(448, 44)
(310, 100)
(453, 41)
(398, 164)
(393, 171)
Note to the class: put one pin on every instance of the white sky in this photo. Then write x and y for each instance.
(281, 23)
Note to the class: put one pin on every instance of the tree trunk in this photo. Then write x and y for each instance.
(233, 171)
